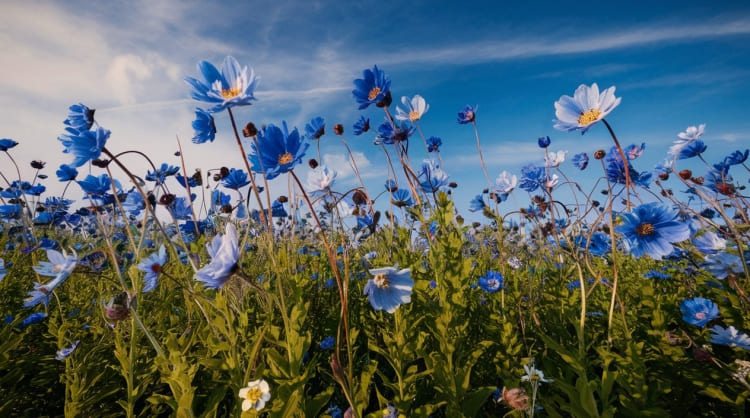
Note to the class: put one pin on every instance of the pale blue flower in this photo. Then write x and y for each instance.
(585, 108)
(389, 288)
(152, 266)
(225, 254)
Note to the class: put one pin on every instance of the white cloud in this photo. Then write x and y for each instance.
(342, 164)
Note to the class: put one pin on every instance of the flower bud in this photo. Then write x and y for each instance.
(313, 163)
(338, 129)
(167, 199)
(599, 154)
(118, 307)
(664, 176)
(685, 174)
(249, 130)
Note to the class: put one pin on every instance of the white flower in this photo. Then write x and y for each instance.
(255, 395)
(415, 108)
(554, 159)
(585, 108)
(691, 134)
(506, 182)
(552, 182)
(320, 179)
(534, 375)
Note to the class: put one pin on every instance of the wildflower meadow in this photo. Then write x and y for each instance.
(614, 289)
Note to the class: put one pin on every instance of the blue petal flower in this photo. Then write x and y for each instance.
(699, 311)
(277, 150)
(373, 88)
(204, 127)
(652, 228)
(233, 86)
(389, 288)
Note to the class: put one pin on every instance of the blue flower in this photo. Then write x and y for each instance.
(477, 204)
(691, 150)
(277, 210)
(390, 185)
(699, 311)
(656, 274)
(736, 158)
(277, 150)
(491, 282)
(224, 253)
(361, 126)
(160, 174)
(235, 180)
(134, 203)
(181, 208)
(532, 178)
(401, 198)
(328, 343)
(66, 173)
(585, 108)
(388, 134)
(544, 141)
(85, 145)
(316, 128)
(581, 161)
(80, 117)
(33, 319)
(373, 88)
(9, 211)
(64, 352)
(652, 228)
(433, 177)
(35, 190)
(389, 288)
(719, 181)
(467, 115)
(616, 170)
(192, 181)
(233, 86)
(599, 245)
(729, 336)
(6, 144)
(152, 266)
(204, 127)
(97, 186)
(433, 144)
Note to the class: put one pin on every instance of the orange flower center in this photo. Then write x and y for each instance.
(373, 93)
(286, 158)
(644, 229)
(254, 394)
(381, 281)
(414, 116)
(230, 93)
(588, 117)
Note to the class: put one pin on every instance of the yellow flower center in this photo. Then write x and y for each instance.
(381, 281)
(414, 116)
(254, 394)
(286, 158)
(588, 117)
(230, 93)
(644, 229)
(373, 93)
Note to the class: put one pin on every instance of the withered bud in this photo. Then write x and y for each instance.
(338, 129)
(38, 164)
(685, 174)
(282, 199)
(166, 199)
(664, 176)
(249, 130)
(226, 208)
(101, 163)
(387, 100)
(223, 171)
(217, 177)
(698, 180)
(453, 185)
(118, 307)
(313, 163)
(701, 354)
(359, 197)
(599, 154)
(516, 398)
(197, 177)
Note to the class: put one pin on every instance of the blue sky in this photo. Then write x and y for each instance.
(675, 64)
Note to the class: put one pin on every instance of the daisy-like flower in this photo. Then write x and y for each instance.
(236, 179)
(491, 282)
(6, 144)
(389, 288)
(204, 127)
(506, 182)
(66, 173)
(401, 198)
(709, 243)
(534, 375)
(232, 86)
(224, 252)
(581, 161)
(80, 117)
(255, 395)
(477, 204)
(361, 126)
(554, 159)
(152, 266)
(699, 311)
(415, 108)
(585, 108)
(277, 150)
(64, 352)
(160, 174)
(320, 179)
(316, 128)
(723, 264)
(60, 266)
(689, 136)
(85, 145)
(729, 336)
(652, 228)
(433, 144)
(373, 88)
(467, 115)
